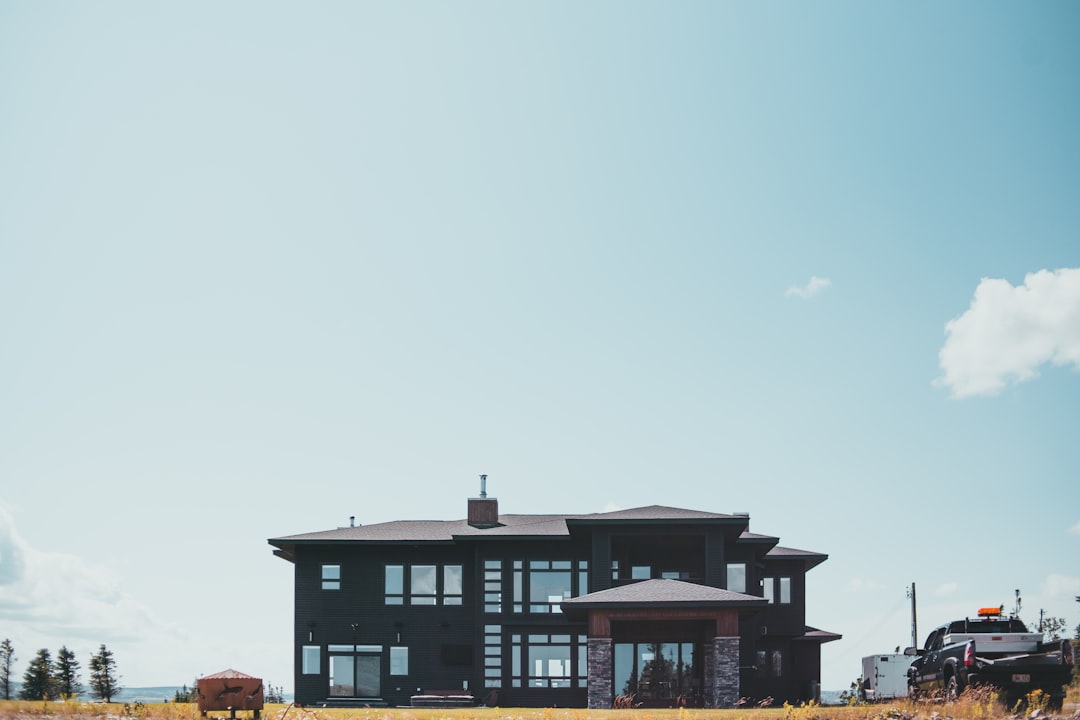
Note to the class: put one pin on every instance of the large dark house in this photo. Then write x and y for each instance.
(672, 607)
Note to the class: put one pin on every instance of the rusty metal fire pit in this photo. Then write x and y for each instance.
(230, 690)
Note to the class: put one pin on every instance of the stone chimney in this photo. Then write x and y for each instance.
(483, 511)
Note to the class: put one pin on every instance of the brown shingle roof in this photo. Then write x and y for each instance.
(548, 526)
(663, 591)
(811, 559)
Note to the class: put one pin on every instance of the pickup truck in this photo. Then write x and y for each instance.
(990, 650)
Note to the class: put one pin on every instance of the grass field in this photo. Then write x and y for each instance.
(971, 706)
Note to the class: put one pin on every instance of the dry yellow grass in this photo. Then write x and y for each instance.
(971, 706)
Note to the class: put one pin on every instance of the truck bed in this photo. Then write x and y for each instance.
(998, 643)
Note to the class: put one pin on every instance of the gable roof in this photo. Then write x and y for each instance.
(809, 559)
(674, 593)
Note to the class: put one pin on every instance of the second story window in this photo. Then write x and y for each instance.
(767, 589)
(395, 584)
(736, 577)
(451, 584)
(540, 586)
(785, 591)
(422, 582)
(331, 577)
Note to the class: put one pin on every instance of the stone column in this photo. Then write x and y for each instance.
(722, 672)
(600, 659)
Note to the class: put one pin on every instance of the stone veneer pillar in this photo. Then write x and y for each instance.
(601, 693)
(721, 673)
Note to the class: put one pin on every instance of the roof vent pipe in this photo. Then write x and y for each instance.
(352, 521)
(483, 486)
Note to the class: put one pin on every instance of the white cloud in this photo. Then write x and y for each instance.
(1075, 529)
(1008, 332)
(59, 598)
(810, 289)
(856, 585)
(1061, 586)
(947, 588)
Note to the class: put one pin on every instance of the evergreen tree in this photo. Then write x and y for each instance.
(38, 679)
(66, 674)
(7, 660)
(104, 682)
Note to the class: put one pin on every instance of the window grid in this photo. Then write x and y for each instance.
(493, 656)
(331, 576)
(493, 586)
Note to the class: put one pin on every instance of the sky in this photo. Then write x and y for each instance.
(268, 265)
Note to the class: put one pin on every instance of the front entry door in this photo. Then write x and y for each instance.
(355, 673)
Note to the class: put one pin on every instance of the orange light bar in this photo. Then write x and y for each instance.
(989, 612)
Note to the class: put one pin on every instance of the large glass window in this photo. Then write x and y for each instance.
(395, 584)
(422, 585)
(736, 577)
(451, 585)
(331, 577)
(543, 661)
(549, 585)
(785, 591)
(309, 660)
(543, 585)
(657, 671)
(767, 589)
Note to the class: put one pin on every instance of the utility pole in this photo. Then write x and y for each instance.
(914, 624)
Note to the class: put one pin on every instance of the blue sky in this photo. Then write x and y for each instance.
(264, 266)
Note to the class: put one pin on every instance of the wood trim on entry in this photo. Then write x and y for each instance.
(726, 619)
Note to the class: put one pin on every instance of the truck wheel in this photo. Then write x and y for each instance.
(952, 689)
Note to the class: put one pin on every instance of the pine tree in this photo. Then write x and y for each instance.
(38, 679)
(104, 682)
(7, 660)
(66, 674)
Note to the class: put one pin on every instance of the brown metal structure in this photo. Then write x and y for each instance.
(230, 690)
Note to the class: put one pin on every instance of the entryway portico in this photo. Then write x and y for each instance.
(666, 642)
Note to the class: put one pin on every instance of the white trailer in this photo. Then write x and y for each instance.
(885, 676)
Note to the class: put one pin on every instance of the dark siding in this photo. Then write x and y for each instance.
(446, 643)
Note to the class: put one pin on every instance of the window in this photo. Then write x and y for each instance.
(399, 661)
(422, 582)
(640, 572)
(493, 656)
(549, 585)
(309, 662)
(767, 589)
(785, 591)
(540, 586)
(451, 585)
(657, 670)
(331, 577)
(545, 661)
(493, 586)
(736, 577)
(395, 584)
(769, 663)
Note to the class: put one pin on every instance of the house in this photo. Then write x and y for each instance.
(673, 607)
